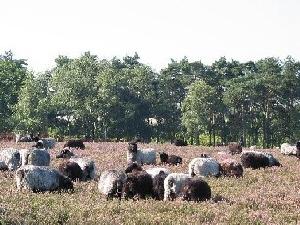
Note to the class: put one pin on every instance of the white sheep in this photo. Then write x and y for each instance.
(10, 159)
(288, 149)
(36, 157)
(204, 167)
(48, 143)
(155, 171)
(173, 184)
(142, 156)
(111, 183)
(88, 167)
(41, 178)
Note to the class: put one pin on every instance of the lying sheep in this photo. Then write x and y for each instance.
(41, 178)
(170, 159)
(158, 185)
(141, 156)
(75, 144)
(65, 153)
(88, 167)
(179, 142)
(204, 167)
(288, 149)
(48, 143)
(195, 189)
(256, 160)
(111, 183)
(10, 159)
(155, 171)
(231, 168)
(138, 184)
(234, 148)
(173, 184)
(36, 157)
(71, 170)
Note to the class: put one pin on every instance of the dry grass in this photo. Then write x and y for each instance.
(266, 196)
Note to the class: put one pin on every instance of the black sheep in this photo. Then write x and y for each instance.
(133, 167)
(65, 153)
(158, 185)
(71, 170)
(170, 159)
(234, 148)
(254, 160)
(179, 142)
(231, 168)
(196, 189)
(75, 144)
(138, 184)
(39, 144)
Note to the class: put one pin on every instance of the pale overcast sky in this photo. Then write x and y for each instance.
(40, 30)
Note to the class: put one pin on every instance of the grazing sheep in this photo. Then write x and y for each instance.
(133, 167)
(138, 184)
(75, 144)
(10, 159)
(272, 160)
(256, 160)
(173, 184)
(141, 156)
(195, 189)
(155, 171)
(111, 183)
(170, 159)
(231, 168)
(36, 157)
(234, 148)
(65, 153)
(179, 142)
(158, 185)
(288, 149)
(41, 178)
(88, 167)
(204, 167)
(71, 170)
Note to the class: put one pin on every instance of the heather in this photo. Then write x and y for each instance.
(263, 196)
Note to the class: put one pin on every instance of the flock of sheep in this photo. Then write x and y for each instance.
(34, 173)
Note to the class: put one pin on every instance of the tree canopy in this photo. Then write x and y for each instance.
(124, 98)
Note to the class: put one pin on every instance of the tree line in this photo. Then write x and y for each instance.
(118, 99)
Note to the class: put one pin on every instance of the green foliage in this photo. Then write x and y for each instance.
(12, 74)
(118, 98)
(198, 108)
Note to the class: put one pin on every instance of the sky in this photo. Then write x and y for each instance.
(158, 30)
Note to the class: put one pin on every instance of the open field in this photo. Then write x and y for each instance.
(266, 196)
